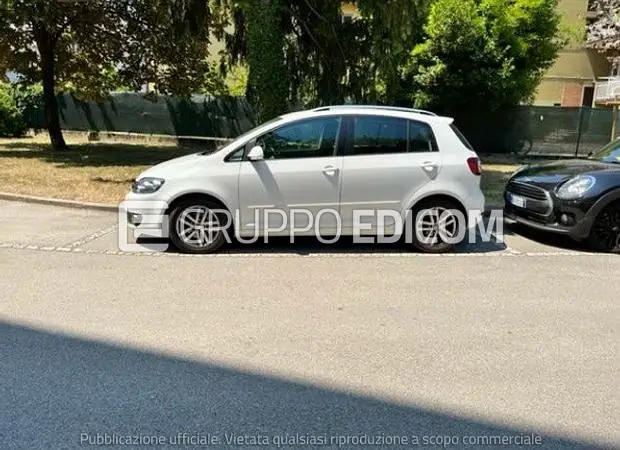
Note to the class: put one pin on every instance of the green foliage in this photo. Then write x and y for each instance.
(237, 80)
(395, 27)
(268, 77)
(483, 55)
(326, 60)
(573, 34)
(29, 99)
(12, 123)
(95, 46)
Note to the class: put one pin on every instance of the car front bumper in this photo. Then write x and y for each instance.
(561, 217)
(146, 214)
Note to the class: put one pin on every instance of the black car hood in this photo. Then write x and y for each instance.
(554, 173)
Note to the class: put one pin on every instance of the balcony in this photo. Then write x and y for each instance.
(607, 91)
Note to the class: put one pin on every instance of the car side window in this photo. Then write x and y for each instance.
(374, 135)
(236, 156)
(311, 138)
(421, 137)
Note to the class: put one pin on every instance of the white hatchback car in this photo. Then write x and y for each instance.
(320, 172)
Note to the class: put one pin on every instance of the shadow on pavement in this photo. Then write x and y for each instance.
(57, 389)
(345, 245)
(548, 239)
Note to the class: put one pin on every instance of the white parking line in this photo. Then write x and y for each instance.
(92, 237)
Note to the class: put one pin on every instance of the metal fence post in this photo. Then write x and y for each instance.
(579, 131)
(613, 122)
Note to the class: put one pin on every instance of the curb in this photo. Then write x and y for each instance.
(56, 202)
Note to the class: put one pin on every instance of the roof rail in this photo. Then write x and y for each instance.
(386, 108)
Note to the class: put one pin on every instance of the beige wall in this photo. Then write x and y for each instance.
(574, 66)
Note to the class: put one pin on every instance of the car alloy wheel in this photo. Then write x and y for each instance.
(605, 234)
(196, 227)
(434, 221)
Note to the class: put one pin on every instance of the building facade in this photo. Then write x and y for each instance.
(571, 81)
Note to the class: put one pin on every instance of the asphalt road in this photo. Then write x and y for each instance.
(277, 345)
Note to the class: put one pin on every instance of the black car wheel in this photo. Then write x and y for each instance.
(605, 233)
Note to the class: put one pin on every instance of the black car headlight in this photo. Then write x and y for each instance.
(576, 187)
(147, 185)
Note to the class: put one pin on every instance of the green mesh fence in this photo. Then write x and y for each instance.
(133, 112)
(538, 130)
(552, 131)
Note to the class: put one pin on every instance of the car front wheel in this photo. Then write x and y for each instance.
(605, 233)
(198, 227)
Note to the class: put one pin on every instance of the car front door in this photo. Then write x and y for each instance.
(300, 171)
(386, 160)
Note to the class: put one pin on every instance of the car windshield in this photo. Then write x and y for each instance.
(247, 133)
(610, 153)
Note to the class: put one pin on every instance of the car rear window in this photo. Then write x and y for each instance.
(462, 137)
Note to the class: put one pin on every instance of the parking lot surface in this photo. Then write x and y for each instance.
(498, 339)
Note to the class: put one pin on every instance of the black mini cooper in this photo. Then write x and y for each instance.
(579, 198)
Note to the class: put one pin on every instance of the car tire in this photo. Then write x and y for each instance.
(184, 216)
(426, 243)
(605, 233)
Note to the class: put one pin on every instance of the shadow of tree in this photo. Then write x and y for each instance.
(97, 155)
(60, 390)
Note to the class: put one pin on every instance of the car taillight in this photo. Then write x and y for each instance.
(475, 166)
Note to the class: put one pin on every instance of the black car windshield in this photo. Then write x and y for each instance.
(247, 133)
(610, 153)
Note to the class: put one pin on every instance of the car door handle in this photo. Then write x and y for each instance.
(430, 166)
(330, 170)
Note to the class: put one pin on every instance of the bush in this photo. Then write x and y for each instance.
(29, 100)
(12, 123)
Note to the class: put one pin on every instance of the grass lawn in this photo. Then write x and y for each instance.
(102, 173)
(92, 172)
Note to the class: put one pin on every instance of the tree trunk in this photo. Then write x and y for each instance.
(46, 44)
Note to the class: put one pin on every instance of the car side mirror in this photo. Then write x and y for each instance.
(256, 154)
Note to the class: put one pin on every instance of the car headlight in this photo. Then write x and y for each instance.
(147, 185)
(576, 187)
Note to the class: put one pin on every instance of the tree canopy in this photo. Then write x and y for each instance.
(91, 47)
(483, 55)
(450, 55)
(603, 33)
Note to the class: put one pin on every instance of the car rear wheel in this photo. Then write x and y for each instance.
(605, 233)
(197, 227)
(436, 226)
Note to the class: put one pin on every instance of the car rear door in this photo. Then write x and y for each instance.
(386, 160)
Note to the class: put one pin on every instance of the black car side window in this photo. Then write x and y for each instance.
(373, 135)
(312, 138)
(421, 137)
